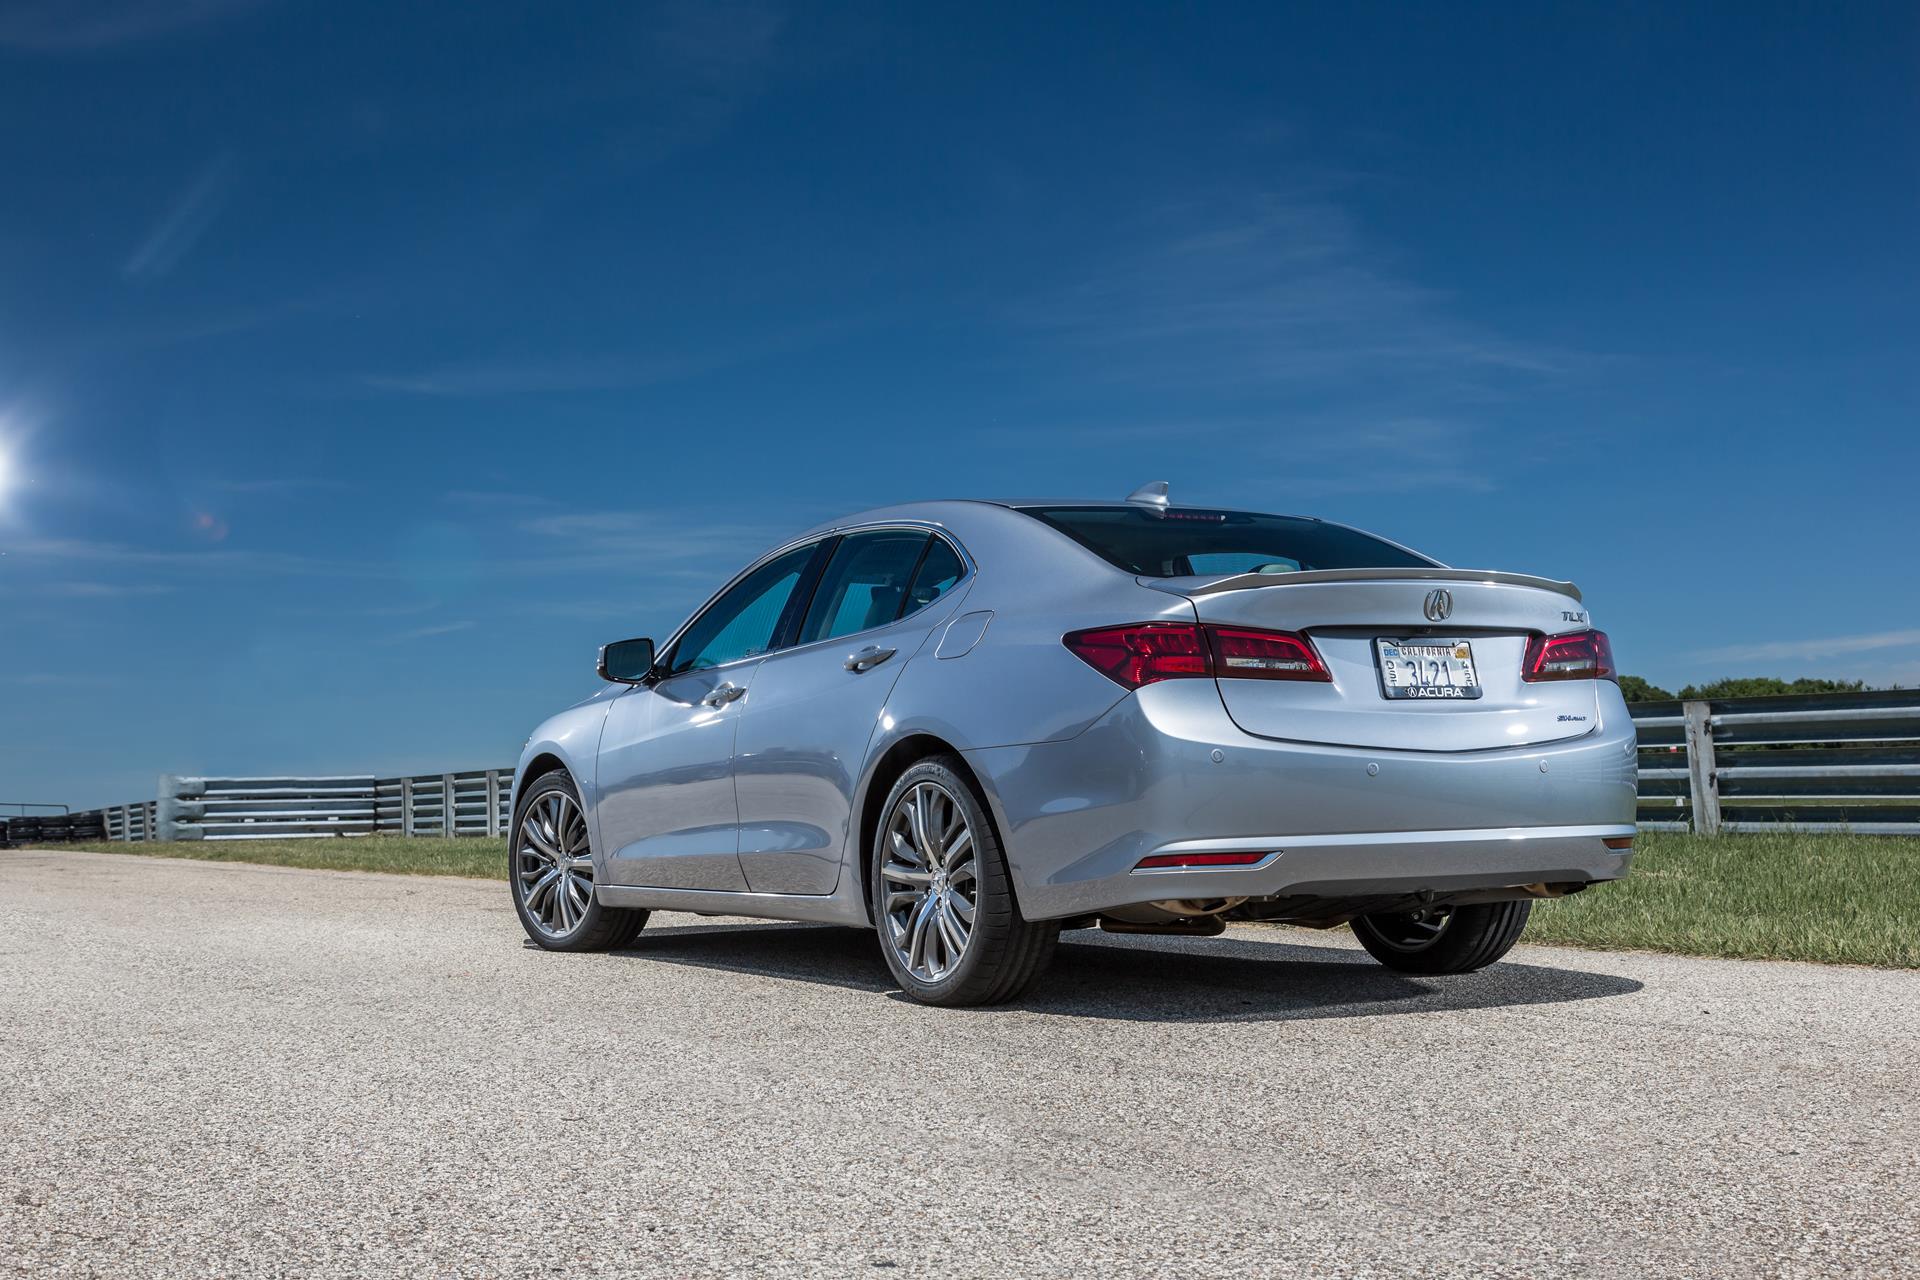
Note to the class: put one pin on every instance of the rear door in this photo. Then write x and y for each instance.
(1402, 680)
(814, 707)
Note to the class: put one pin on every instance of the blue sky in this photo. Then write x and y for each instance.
(362, 367)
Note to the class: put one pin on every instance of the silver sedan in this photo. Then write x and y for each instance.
(971, 725)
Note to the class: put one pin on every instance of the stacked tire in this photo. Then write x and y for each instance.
(22, 831)
(6, 834)
(89, 827)
(56, 829)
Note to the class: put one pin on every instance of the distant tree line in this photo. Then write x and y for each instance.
(1638, 690)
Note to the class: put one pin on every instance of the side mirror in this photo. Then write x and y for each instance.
(626, 661)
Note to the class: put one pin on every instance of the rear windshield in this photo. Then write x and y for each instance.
(1177, 543)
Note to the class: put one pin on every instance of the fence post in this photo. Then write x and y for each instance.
(166, 810)
(493, 802)
(1703, 778)
(406, 807)
(446, 805)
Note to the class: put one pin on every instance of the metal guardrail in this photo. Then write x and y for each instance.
(473, 802)
(1812, 762)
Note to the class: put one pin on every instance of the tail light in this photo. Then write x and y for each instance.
(1583, 655)
(1146, 652)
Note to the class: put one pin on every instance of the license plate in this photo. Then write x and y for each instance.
(1427, 669)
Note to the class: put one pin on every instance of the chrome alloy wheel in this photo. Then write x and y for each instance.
(930, 880)
(553, 863)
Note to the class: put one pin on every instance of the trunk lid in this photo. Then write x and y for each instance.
(1345, 612)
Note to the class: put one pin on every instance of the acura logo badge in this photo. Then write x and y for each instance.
(1439, 606)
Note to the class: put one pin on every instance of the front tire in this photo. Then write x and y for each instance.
(1444, 940)
(942, 897)
(550, 867)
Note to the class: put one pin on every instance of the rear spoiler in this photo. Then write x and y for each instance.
(1207, 586)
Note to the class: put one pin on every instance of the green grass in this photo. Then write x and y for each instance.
(1831, 898)
(1837, 899)
(421, 856)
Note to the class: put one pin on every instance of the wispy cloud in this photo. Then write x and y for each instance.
(542, 376)
(728, 42)
(641, 540)
(73, 551)
(615, 371)
(423, 633)
(1287, 292)
(103, 590)
(56, 26)
(280, 485)
(184, 221)
(493, 499)
(1827, 647)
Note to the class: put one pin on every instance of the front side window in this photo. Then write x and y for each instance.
(1181, 542)
(744, 621)
(865, 584)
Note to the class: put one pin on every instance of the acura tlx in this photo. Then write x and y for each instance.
(971, 725)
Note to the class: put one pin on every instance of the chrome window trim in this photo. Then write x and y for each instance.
(967, 563)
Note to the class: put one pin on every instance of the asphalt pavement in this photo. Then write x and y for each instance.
(215, 1069)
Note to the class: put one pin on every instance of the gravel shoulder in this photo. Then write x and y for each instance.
(225, 1069)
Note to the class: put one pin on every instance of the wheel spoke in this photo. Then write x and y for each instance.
(917, 818)
(917, 935)
(960, 846)
(952, 932)
(903, 850)
(961, 908)
(538, 838)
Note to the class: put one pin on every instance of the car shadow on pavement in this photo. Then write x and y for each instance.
(1148, 979)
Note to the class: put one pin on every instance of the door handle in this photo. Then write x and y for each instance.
(868, 658)
(723, 694)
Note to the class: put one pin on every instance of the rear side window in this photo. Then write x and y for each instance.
(865, 583)
(939, 572)
(1183, 542)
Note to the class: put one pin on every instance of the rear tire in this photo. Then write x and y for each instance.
(1444, 940)
(549, 857)
(958, 877)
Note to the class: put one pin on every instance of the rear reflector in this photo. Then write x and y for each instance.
(1145, 652)
(1200, 860)
(1618, 842)
(1583, 655)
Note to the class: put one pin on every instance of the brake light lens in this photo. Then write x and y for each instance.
(1146, 652)
(1141, 654)
(1583, 655)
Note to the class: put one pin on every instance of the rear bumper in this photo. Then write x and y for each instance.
(1079, 815)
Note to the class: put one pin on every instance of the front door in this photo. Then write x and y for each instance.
(813, 709)
(667, 814)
